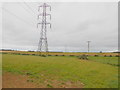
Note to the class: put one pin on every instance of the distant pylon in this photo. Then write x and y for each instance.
(88, 46)
(43, 45)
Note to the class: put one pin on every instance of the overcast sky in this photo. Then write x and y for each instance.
(73, 24)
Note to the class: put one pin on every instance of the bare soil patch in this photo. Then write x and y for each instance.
(10, 80)
(68, 84)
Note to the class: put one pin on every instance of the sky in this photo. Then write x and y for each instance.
(73, 24)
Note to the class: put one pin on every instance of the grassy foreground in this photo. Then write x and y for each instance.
(62, 69)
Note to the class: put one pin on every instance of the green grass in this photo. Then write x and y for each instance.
(105, 60)
(63, 69)
(0, 64)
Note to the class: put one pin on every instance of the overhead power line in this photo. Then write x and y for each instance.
(30, 8)
(17, 16)
(31, 13)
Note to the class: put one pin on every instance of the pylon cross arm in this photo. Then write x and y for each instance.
(49, 24)
(44, 15)
(44, 6)
(44, 23)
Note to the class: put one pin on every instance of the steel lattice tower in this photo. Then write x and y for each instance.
(43, 44)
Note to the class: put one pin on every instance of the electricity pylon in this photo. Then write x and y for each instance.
(88, 46)
(43, 44)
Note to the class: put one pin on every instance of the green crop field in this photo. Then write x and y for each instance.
(54, 71)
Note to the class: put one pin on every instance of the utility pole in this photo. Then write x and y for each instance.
(43, 45)
(88, 45)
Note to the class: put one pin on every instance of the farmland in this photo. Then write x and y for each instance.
(63, 71)
(60, 53)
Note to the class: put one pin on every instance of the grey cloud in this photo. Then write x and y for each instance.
(72, 25)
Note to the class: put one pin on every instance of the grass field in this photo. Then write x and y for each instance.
(105, 60)
(57, 71)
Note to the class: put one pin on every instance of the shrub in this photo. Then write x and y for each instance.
(105, 56)
(117, 55)
(110, 56)
(43, 55)
(83, 57)
(96, 55)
